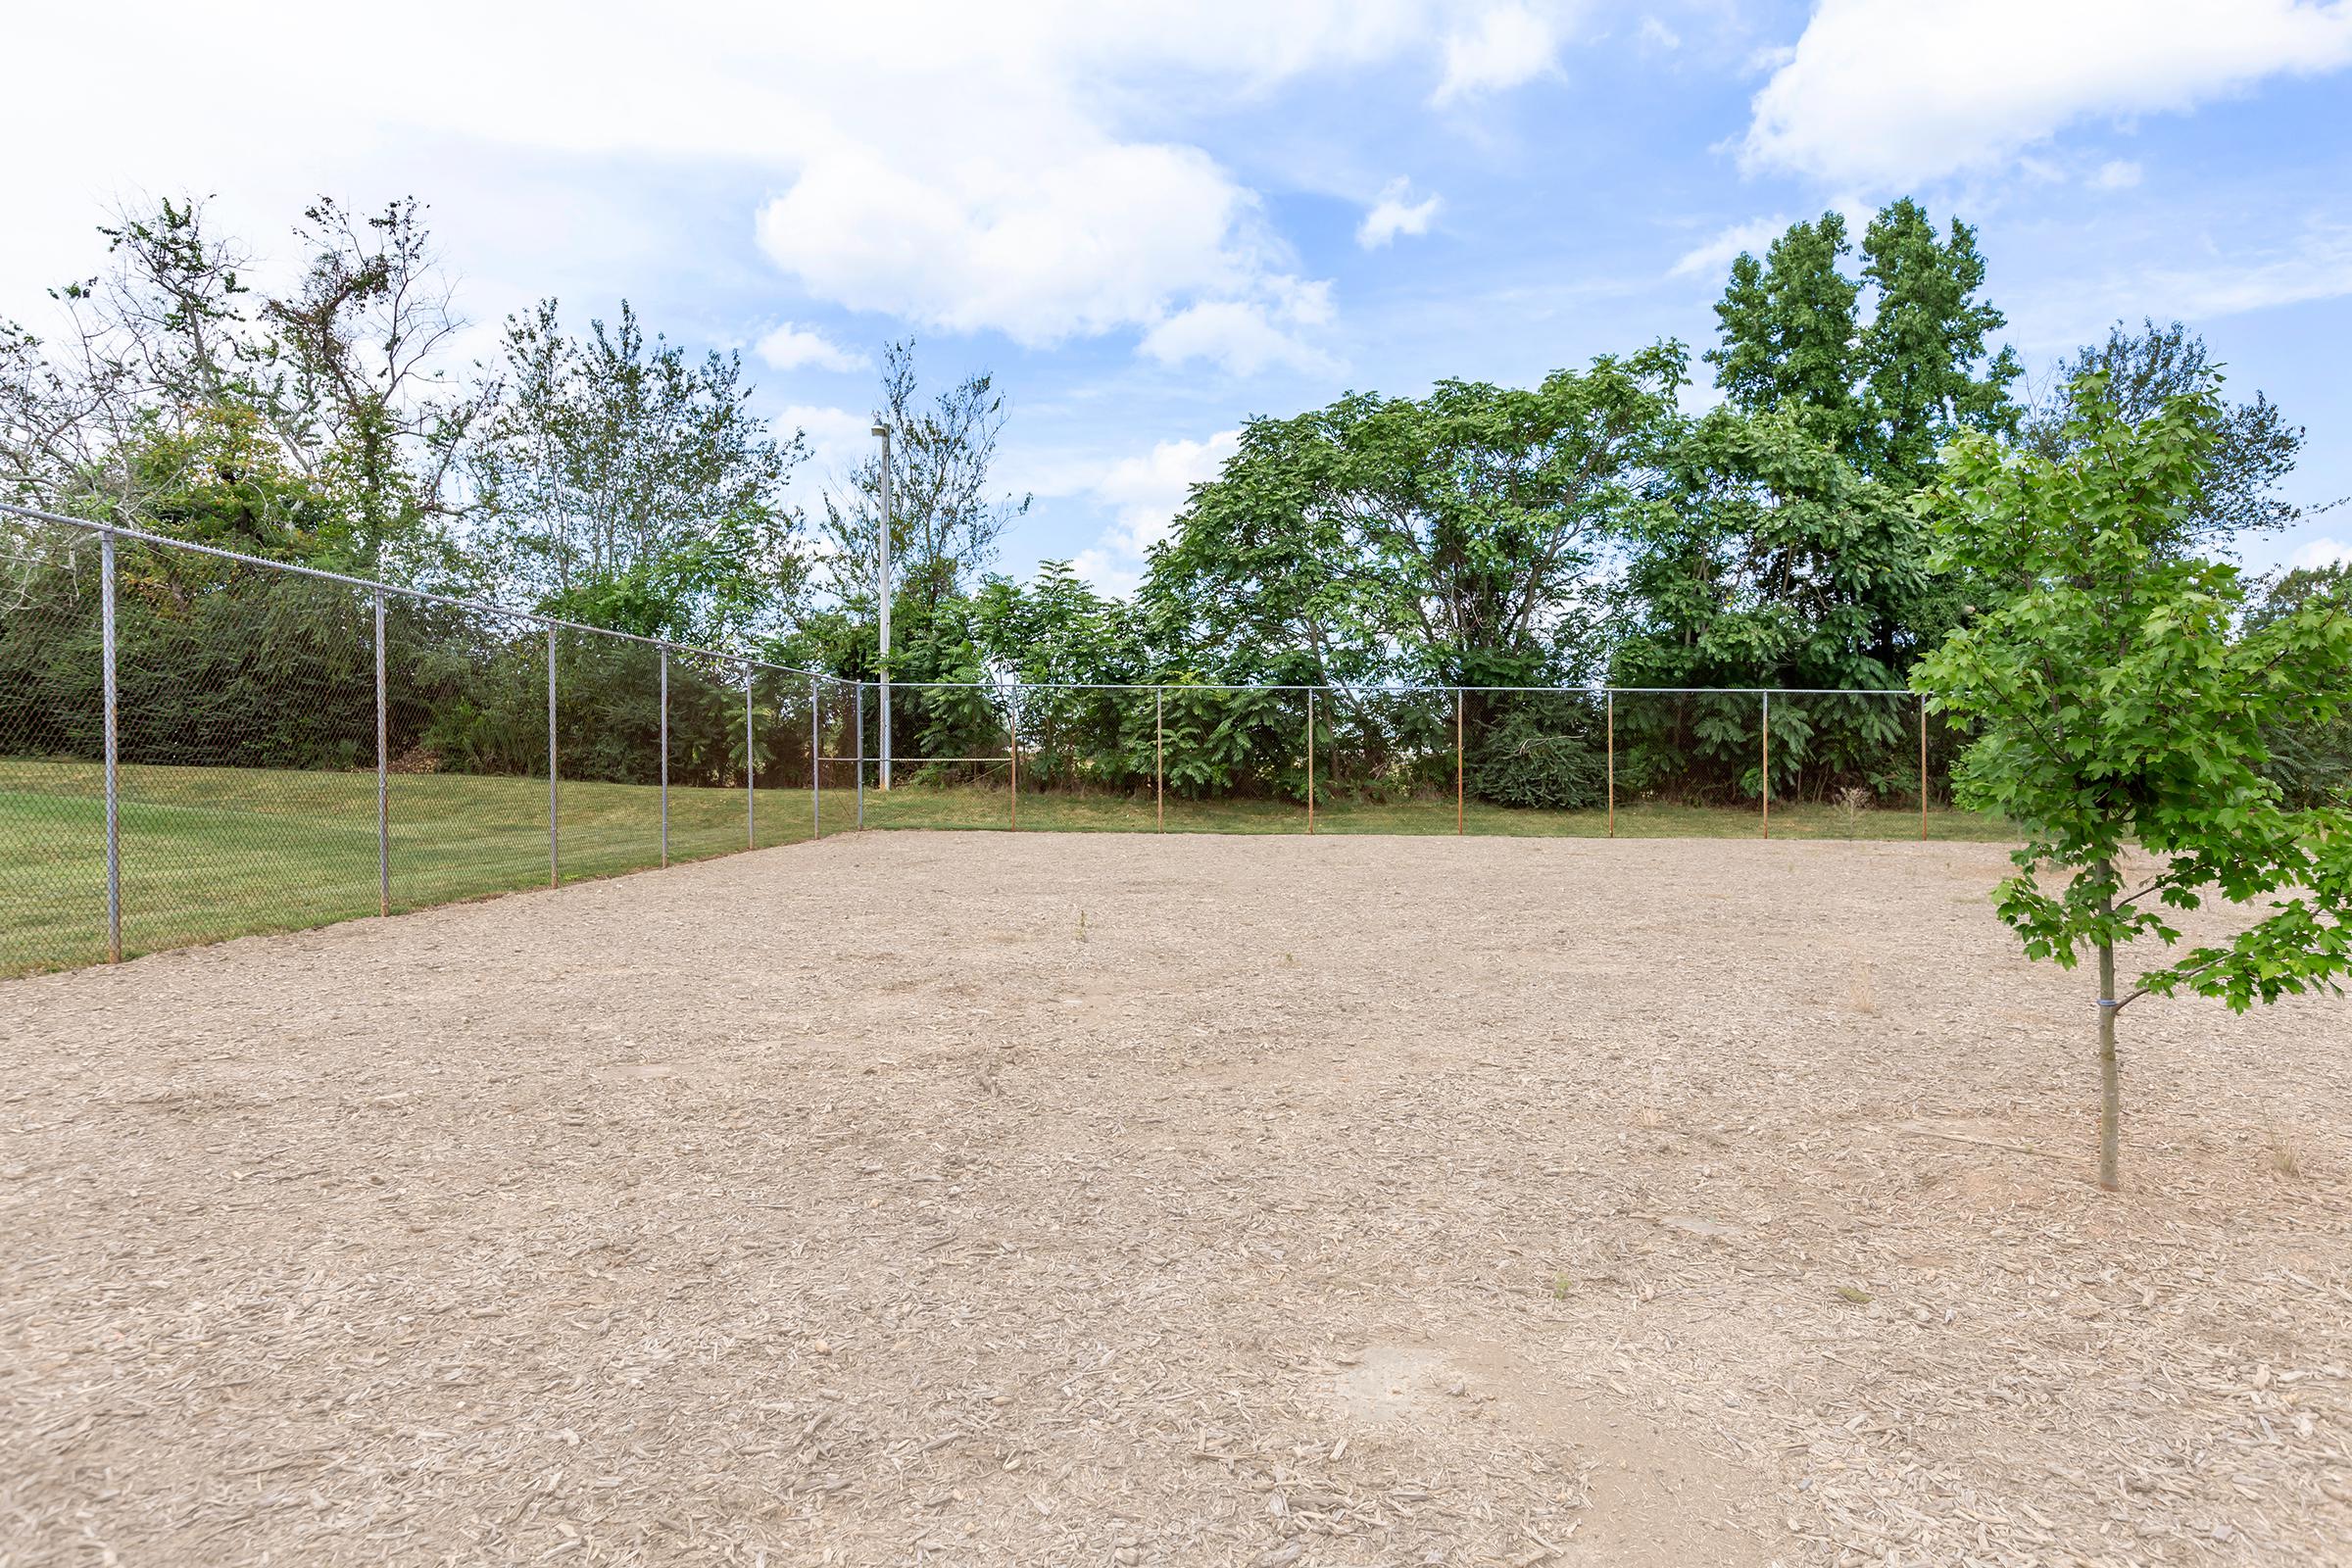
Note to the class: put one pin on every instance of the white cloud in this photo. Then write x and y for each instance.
(1395, 213)
(1247, 336)
(2315, 265)
(999, 168)
(2318, 266)
(790, 348)
(1507, 46)
(1144, 494)
(1658, 36)
(1711, 258)
(1885, 94)
(2323, 553)
(2117, 173)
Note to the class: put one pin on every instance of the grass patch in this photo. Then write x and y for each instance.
(210, 852)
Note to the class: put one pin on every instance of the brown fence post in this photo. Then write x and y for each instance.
(1310, 760)
(1611, 701)
(1160, 760)
(1767, 776)
(1923, 767)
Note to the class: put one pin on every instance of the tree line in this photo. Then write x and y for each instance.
(1594, 528)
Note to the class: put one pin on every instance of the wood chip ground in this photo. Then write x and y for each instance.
(987, 1199)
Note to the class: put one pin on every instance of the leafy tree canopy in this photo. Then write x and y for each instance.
(2120, 712)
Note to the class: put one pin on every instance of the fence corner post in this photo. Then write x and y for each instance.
(383, 775)
(1923, 767)
(1457, 762)
(665, 753)
(554, 874)
(113, 760)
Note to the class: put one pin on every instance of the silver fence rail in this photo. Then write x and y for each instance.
(257, 731)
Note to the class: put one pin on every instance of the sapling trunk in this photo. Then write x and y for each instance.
(2111, 1091)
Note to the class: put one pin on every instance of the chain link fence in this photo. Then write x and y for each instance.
(196, 743)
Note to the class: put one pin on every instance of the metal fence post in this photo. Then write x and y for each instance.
(1767, 774)
(816, 804)
(857, 720)
(113, 790)
(1310, 760)
(383, 775)
(1457, 762)
(1610, 697)
(555, 872)
(1160, 760)
(751, 771)
(665, 756)
(1015, 754)
(1922, 767)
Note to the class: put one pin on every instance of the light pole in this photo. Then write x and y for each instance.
(883, 431)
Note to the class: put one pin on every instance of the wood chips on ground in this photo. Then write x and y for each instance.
(987, 1199)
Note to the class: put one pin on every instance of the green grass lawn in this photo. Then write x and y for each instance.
(216, 852)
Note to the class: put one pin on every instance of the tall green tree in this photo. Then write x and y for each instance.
(1790, 332)
(946, 509)
(2120, 712)
(622, 480)
(1449, 537)
(2254, 446)
(1882, 366)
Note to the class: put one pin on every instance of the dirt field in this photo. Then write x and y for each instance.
(985, 1200)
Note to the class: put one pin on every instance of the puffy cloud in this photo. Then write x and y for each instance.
(1395, 213)
(997, 168)
(1883, 93)
(1145, 493)
(2322, 552)
(1713, 257)
(1249, 335)
(1507, 46)
(790, 348)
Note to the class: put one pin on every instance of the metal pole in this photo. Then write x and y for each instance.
(751, 772)
(1922, 767)
(857, 720)
(1015, 754)
(113, 790)
(816, 804)
(1457, 762)
(664, 757)
(1767, 776)
(1612, 721)
(1160, 760)
(383, 775)
(883, 431)
(554, 866)
(1310, 760)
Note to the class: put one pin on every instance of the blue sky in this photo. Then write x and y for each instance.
(1153, 221)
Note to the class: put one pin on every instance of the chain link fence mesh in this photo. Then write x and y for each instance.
(516, 753)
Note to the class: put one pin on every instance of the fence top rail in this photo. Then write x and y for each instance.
(321, 573)
(1387, 688)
